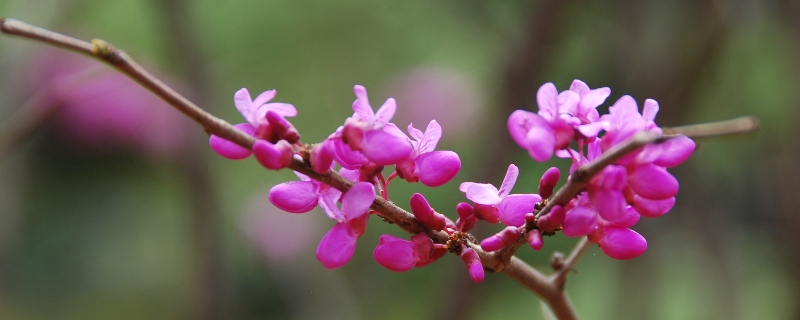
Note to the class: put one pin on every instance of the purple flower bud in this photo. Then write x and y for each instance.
(322, 155)
(580, 221)
(229, 149)
(337, 246)
(435, 254)
(282, 127)
(653, 182)
(500, 240)
(295, 196)
(437, 167)
(401, 255)
(273, 157)
(425, 214)
(548, 182)
(473, 262)
(652, 208)
(384, 148)
(622, 243)
(535, 239)
(553, 219)
(466, 218)
(627, 220)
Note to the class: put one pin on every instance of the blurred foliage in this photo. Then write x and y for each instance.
(115, 234)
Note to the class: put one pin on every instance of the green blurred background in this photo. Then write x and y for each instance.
(117, 233)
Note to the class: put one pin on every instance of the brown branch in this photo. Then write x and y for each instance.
(551, 289)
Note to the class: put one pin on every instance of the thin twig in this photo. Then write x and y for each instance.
(736, 126)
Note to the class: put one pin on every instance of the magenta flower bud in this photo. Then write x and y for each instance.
(337, 246)
(384, 148)
(652, 208)
(322, 155)
(669, 153)
(548, 182)
(473, 262)
(580, 221)
(435, 254)
(352, 134)
(229, 149)
(295, 196)
(532, 133)
(622, 243)
(627, 220)
(273, 157)
(466, 219)
(500, 240)
(425, 214)
(610, 204)
(282, 127)
(535, 239)
(553, 219)
(401, 255)
(487, 212)
(437, 167)
(653, 182)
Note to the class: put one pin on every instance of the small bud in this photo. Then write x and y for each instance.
(425, 214)
(466, 219)
(273, 156)
(322, 155)
(282, 127)
(473, 262)
(553, 219)
(500, 240)
(548, 182)
(535, 239)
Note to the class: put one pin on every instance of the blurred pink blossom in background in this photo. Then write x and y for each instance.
(98, 108)
(276, 234)
(451, 98)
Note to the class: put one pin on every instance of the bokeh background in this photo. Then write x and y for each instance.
(113, 207)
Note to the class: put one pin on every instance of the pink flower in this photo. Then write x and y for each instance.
(495, 205)
(432, 168)
(364, 131)
(401, 255)
(339, 244)
(560, 116)
(264, 121)
(617, 240)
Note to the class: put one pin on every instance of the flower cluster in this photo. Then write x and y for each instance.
(637, 184)
(362, 147)
(567, 124)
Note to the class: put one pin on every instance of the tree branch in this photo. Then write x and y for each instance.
(550, 288)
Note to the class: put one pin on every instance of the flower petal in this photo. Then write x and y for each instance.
(243, 103)
(508, 181)
(437, 168)
(652, 208)
(295, 196)
(580, 221)
(622, 243)
(395, 254)
(541, 142)
(483, 193)
(514, 207)
(383, 148)
(263, 98)
(385, 112)
(547, 99)
(229, 149)
(432, 135)
(357, 200)
(337, 246)
(653, 182)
